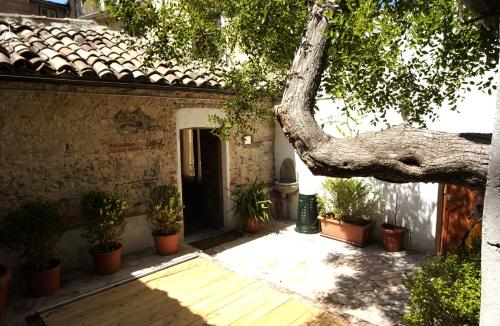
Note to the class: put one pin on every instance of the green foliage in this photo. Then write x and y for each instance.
(412, 56)
(34, 229)
(165, 210)
(105, 220)
(252, 202)
(447, 290)
(349, 200)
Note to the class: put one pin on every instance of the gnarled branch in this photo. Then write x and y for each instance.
(398, 154)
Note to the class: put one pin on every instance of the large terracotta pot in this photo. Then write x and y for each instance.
(359, 235)
(393, 236)
(251, 225)
(106, 263)
(5, 275)
(44, 283)
(166, 244)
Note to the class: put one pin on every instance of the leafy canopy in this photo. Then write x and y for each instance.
(411, 56)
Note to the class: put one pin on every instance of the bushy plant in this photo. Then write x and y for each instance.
(165, 210)
(446, 290)
(34, 229)
(105, 220)
(348, 200)
(253, 202)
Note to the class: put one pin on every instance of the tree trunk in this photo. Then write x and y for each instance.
(398, 154)
(490, 246)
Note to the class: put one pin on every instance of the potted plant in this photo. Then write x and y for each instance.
(346, 209)
(106, 221)
(393, 235)
(165, 218)
(35, 229)
(253, 205)
(5, 275)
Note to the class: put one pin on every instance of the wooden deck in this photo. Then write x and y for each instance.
(196, 292)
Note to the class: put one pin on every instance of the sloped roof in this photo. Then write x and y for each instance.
(83, 50)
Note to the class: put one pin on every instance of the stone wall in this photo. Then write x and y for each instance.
(61, 141)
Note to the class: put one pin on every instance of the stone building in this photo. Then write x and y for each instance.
(79, 111)
(48, 8)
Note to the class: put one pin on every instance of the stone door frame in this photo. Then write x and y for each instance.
(186, 118)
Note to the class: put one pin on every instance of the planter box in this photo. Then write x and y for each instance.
(351, 233)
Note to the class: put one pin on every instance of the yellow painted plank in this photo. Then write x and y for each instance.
(284, 314)
(198, 310)
(269, 304)
(196, 292)
(312, 316)
(124, 295)
(157, 313)
(158, 292)
(240, 307)
(327, 319)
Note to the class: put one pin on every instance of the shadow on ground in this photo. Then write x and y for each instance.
(371, 279)
(275, 227)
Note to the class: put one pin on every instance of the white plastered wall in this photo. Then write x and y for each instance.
(417, 202)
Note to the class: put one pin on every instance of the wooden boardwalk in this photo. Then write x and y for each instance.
(196, 292)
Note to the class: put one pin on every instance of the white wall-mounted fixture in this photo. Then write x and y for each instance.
(247, 140)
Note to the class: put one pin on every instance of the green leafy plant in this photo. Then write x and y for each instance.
(408, 56)
(447, 290)
(252, 202)
(34, 229)
(165, 210)
(106, 221)
(348, 200)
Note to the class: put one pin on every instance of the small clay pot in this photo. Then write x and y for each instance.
(44, 283)
(106, 263)
(251, 225)
(5, 276)
(393, 237)
(166, 244)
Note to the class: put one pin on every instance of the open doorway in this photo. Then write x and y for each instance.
(201, 172)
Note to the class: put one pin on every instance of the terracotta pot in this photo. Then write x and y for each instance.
(106, 263)
(359, 235)
(166, 244)
(251, 225)
(44, 283)
(5, 275)
(393, 236)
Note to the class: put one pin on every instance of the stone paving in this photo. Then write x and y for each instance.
(363, 283)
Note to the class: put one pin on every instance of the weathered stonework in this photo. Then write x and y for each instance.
(61, 141)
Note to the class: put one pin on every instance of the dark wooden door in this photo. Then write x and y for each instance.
(457, 219)
(211, 178)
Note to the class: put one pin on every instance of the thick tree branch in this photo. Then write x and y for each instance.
(398, 154)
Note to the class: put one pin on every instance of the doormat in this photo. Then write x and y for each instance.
(217, 240)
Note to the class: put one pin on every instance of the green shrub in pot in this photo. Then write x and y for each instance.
(253, 205)
(347, 207)
(34, 230)
(349, 200)
(104, 224)
(165, 218)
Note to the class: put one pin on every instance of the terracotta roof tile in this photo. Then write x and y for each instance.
(81, 49)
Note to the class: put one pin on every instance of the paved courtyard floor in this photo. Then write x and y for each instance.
(364, 283)
(361, 284)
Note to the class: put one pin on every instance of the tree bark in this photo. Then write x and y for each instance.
(398, 154)
(490, 245)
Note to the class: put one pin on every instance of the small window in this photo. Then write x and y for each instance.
(48, 12)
